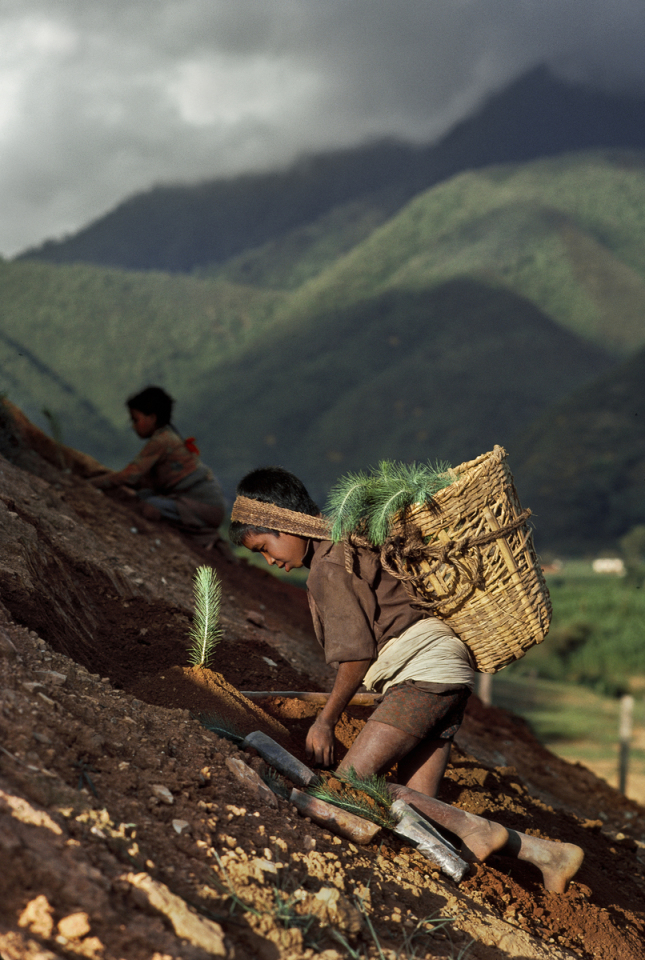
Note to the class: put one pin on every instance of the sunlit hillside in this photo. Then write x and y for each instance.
(452, 325)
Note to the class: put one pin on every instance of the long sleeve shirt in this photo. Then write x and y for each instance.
(162, 463)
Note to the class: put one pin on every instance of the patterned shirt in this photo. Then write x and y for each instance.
(160, 466)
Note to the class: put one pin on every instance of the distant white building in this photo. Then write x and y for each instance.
(609, 565)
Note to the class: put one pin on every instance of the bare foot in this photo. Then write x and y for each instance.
(481, 838)
(558, 862)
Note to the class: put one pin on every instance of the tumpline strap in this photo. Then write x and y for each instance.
(259, 514)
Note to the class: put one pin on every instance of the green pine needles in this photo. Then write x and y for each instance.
(366, 503)
(366, 797)
(205, 632)
(374, 786)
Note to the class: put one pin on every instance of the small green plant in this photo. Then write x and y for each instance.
(366, 503)
(282, 912)
(226, 888)
(205, 632)
(414, 940)
(374, 789)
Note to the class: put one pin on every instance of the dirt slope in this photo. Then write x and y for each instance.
(125, 831)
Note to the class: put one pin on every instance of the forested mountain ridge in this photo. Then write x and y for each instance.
(581, 465)
(179, 228)
(443, 373)
(566, 233)
(79, 339)
(435, 332)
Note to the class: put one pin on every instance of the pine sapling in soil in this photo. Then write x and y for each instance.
(206, 631)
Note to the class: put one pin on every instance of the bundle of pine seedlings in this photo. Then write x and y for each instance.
(366, 504)
(366, 797)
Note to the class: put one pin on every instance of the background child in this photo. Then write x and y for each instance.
(367, 625)
(168, 476)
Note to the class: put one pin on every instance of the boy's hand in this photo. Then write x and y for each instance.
(320, 742)
(320, 739)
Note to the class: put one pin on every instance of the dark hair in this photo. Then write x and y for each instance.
(153, 400)
(271, 485)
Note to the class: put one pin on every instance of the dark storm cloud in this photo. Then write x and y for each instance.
(98, 100)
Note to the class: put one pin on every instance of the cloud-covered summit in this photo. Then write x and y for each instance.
(99, 100)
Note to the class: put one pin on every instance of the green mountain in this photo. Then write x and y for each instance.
(79, 339)
(182, 227)
(42, 394)
(442, 373)
(581, 465)
(435, 336)
(567, 233)
(301, 254)
(434, 332)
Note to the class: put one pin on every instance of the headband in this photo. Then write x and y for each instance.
(256, 513)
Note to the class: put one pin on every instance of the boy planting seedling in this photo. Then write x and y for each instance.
(367, 624)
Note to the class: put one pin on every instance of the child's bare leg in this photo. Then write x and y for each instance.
(479, 837)
(422, 763)
(558, 862)
(423, 768)
(377, 748)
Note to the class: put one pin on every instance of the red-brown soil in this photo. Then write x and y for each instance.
(98, 711)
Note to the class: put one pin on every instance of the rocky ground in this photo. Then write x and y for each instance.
(129, 831)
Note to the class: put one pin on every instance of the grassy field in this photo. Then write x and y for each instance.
(578, 725)
(597, 636)
(569, 687)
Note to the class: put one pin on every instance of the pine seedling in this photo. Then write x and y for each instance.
(347, 504)
(57, 435)
(374, 786)
(353, 804)
(398, 486)
(206, 631)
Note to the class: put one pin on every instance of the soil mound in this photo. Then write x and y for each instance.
(129, 829)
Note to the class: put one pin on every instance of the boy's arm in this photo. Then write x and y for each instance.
(320, 739)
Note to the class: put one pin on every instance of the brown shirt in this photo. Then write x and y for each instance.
(355, 614)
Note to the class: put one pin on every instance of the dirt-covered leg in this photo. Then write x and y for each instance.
(558, 862)
(479, 837)
(424, 766)
(377, 748)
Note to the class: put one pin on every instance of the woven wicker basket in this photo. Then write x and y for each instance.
(480, 572)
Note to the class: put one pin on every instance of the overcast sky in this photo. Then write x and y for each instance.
(102, 98)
